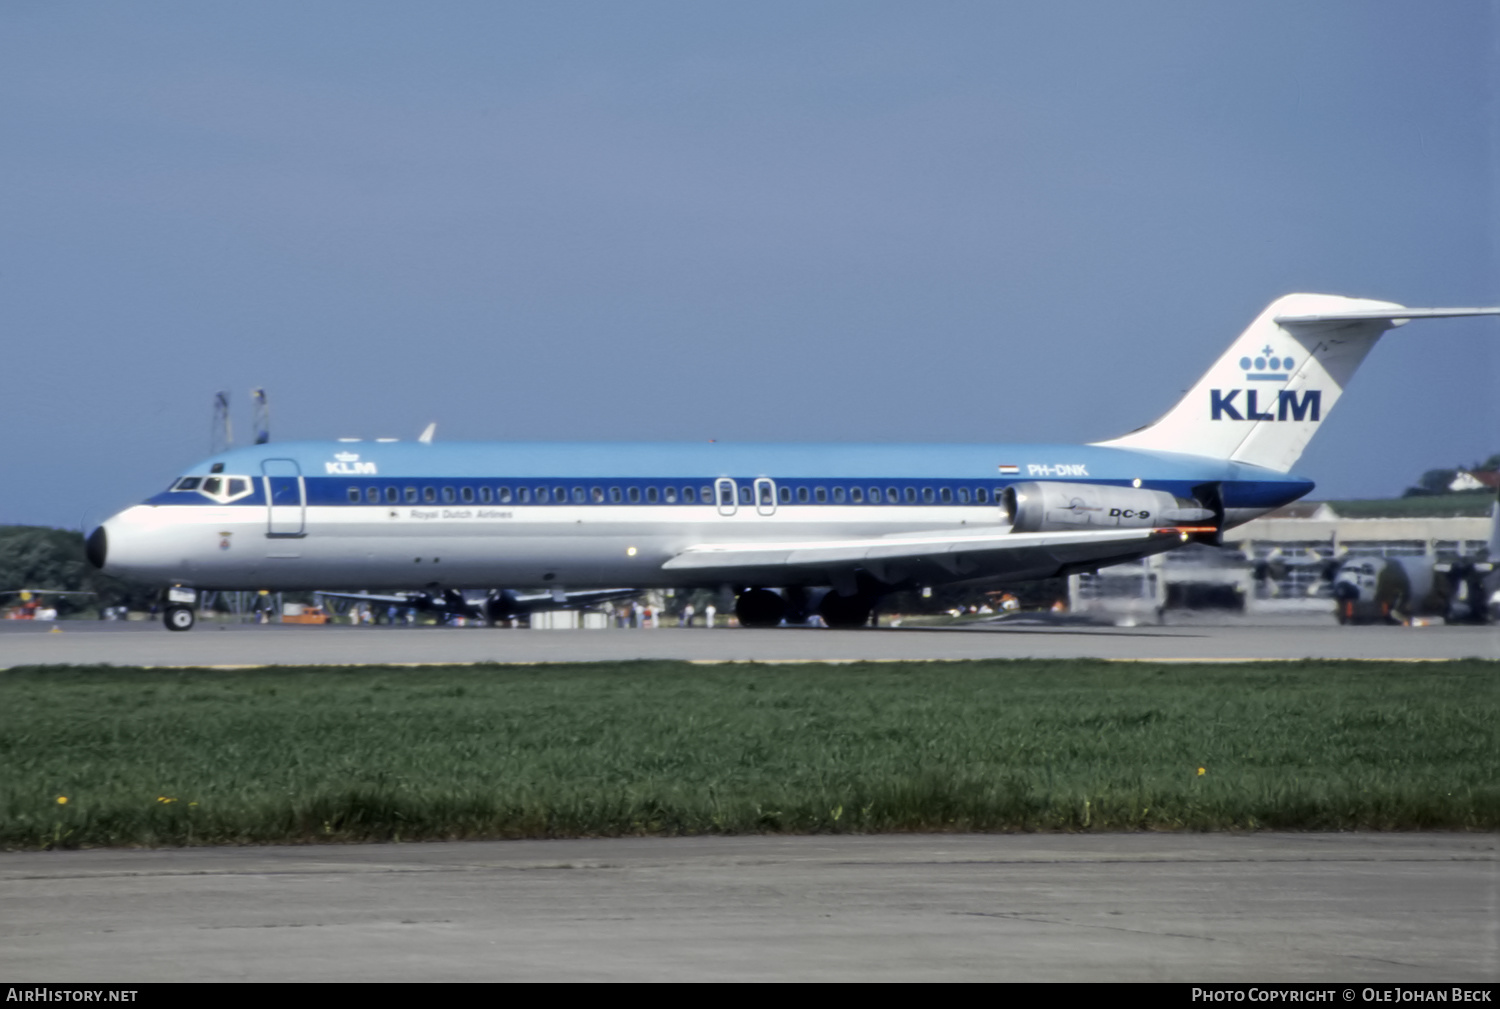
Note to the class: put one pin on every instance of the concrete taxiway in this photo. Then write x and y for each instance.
(1348, 908)
(89, 642)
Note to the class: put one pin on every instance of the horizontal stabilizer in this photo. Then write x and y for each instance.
(1396, 316)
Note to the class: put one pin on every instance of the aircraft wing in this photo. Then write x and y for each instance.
(405, 599)
(570, 600)
(942, 556)
(514, 603)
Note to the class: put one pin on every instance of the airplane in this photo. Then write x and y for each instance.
(858, 520)
(1397, 589)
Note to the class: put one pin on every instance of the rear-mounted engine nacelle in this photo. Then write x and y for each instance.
(1036, 507)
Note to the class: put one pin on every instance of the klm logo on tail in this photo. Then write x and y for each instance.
(1288, 407)
(1267, 366)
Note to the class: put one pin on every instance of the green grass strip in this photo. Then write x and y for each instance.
(196, 756)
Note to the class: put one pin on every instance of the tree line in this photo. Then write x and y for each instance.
(35, 557)
(1436, 481)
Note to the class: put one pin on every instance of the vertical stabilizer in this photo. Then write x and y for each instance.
(1262, 402)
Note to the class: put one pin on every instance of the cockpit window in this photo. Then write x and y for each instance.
(222, 489)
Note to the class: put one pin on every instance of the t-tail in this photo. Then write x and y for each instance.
(1262, 402)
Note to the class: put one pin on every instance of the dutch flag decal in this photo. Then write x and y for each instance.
(1009, 470)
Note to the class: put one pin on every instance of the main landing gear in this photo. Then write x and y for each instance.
(764, 608)
(179, 618)
(759, 608)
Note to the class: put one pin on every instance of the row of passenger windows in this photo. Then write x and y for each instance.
(730, 494)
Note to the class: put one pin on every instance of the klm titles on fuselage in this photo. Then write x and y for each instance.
(348, 464)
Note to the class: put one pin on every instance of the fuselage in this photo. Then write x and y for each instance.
(404, 515)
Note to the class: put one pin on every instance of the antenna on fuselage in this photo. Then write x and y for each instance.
(261, 421)
(221, 433)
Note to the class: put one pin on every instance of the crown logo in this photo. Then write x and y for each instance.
(347, 457)
(1268, 366)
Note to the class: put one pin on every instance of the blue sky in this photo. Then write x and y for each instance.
(751, 222)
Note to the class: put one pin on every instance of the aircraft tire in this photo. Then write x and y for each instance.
(845, 611)
(759, 608)
(179, 618)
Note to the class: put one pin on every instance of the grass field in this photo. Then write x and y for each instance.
(167, 757)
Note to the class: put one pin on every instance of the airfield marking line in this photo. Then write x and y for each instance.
(752, 662)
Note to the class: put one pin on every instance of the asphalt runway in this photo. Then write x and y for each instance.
(93, 642)
(1348, 908)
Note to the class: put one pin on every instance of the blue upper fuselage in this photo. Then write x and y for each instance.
(332, 468)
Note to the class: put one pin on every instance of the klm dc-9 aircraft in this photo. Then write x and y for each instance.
(768, 521)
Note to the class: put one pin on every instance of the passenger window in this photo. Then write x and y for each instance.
(429, 494)
(466, 494)
(785, 493)
(669, 495)
(354, 495)
(928, 495)
(504, 495)
(411, 495)
(598, 495)
(911, 495)
(746, 495)
(688, 496)
(874, 495)
(963, 495)
(802, 495)
(822, 495)
(706, 494)
(946, 494)
(893, 495)
(615, 496)
(857, 495)
(448, 496)
(651, 495)
(523, 495)
(392, 495)
(560, 494)
(541, 495)
(579, 497)
(635, 495)
(981, 495)
(485, 496)
(838, 495)
(372, 495)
